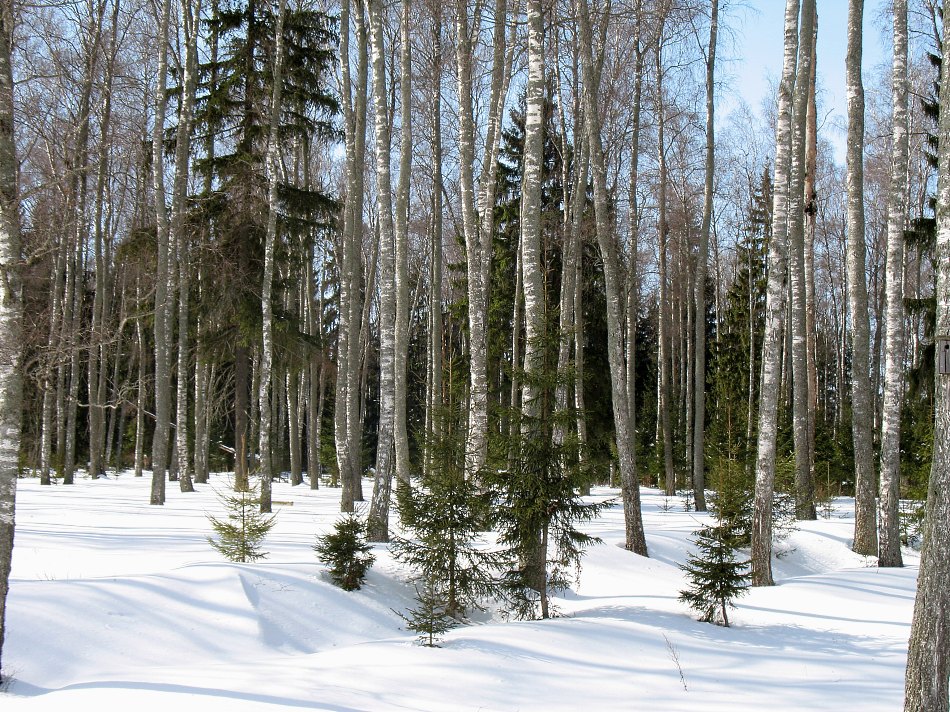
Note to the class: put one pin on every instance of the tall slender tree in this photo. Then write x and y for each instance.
(774, 314)
(862, 399)
(702, 259)
(927, 680)
(889, 550)
(11, 312)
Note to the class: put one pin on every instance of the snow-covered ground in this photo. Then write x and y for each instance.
(118, 605)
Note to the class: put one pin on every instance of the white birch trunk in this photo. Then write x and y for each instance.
(266, 369)
(531, 267)
(11, 313)
(776, 291)
(606, 240)
(928, 654)
(804, 484)
(889, 546)
(191, 13)
(699, 389)
(862, 400)
(162, 296)
(401, 236)
(378, 521)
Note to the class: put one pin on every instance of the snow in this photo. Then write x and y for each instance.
(115, 603)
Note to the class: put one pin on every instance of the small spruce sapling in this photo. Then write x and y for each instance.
(431, 619)
(716, 578)
(240, 535)
(444, 515)
(346, 552)
(538, 507)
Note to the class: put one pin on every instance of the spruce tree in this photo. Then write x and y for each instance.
(445, 514)
(431, 619)
(537, 506)
(346, 552)
(715, 577)
(240, 535)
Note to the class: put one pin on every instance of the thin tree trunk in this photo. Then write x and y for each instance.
(663, 332)
(401, 250)
(163, 267)
(531, 267)
(633, 522)
(928, 654)
(140, 389)
(191, 13)
(378, 521)
(804, 484)
(346, 416)
(699, 345)
(862, 400)
(776, 292)
(11, 313)
(477, 229)
(265, 463)
(889, 547)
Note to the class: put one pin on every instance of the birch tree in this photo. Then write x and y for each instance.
(862, 399)
(162, 270)
(347, 422)
(889, 549)
(191, 14)
(804, 484)
(774, 314)
(11, 312)
(633, 523)
(928, 655)
(478, 217)
(267, 307)
(702, 259)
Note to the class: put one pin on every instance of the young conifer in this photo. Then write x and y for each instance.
(537, 504)
(240, 535)
(444, 515)
(716, 578)
(431, 619)
(346, 552)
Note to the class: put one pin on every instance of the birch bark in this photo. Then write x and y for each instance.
(702, 259)
(162, 269)
(266, 466)
(928, 654)
(804, 484)
(776, 291)
(889, 547)
(862, 399)
(11, 312)
(190, 16)
(633, 523)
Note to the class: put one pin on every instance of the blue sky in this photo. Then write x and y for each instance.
(756, 55)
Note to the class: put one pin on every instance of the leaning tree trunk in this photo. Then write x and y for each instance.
(928, 654)
(633, 522)
(11, 311)
(862, 399)
(889, 546)
(699, 345)
(774, 316)
(266, 464)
